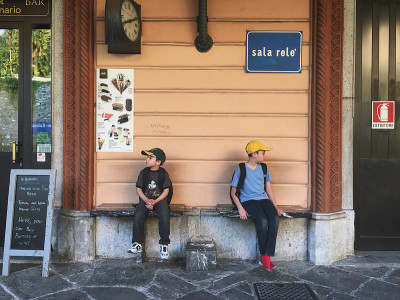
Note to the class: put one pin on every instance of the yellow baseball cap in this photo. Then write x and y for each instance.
(254, 146)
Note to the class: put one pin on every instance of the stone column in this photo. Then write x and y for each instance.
(347, 119)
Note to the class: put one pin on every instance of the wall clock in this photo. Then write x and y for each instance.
(123, 27)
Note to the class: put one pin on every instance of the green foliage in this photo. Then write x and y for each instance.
(9, 45)
(41, 52)
(9, 82)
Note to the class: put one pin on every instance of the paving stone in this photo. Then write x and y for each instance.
(198, 277)
(260, 274)
(227, 281)
(338, 296)
(165, 293)
(376, 289)
(121, 275)
(339, 280)
(200, 295)
(120, 293)
(16, 267)
(237, 265)
(394, 277)
(201, 279)
(72, 294)
(68, 269)
(29, 283)
(4, 295)
(293, 268)
(370, 258)
(245, 287)
(176, 287)
(240, 292)
(373, 272)
(321, 292)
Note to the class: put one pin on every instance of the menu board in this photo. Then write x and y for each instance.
(30, 209)
(29, 216)
(114, 110)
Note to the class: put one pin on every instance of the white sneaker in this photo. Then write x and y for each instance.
(136, 248)
(164, 251)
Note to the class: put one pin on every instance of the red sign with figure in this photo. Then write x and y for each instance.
(382, 114)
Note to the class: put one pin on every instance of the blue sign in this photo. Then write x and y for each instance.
(41, 127)
(274, 51)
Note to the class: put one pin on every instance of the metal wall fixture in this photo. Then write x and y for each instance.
(203, 41)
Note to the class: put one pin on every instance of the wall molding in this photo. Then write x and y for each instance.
(326, 105)
(78, 171)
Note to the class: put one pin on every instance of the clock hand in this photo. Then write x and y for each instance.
(129, 21)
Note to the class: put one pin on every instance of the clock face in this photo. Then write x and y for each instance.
(130, 20)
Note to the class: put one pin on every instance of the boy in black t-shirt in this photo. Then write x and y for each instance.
(152, 196)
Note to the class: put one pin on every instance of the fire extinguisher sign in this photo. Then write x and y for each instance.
(382, 114)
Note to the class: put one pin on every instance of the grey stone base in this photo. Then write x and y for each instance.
(201, 254)
(322, 239)
(76, 235)
(327, 238)
(233, 238)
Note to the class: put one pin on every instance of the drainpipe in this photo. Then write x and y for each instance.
(203, 41)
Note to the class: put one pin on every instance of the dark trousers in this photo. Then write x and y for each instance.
(267, 222)
(141, 212)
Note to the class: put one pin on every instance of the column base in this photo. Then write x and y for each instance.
(327, 237)
(76, 240)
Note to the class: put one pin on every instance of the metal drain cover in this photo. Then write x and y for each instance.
(284, 291)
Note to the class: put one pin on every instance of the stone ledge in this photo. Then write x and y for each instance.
(177, 210)
(226, 210)
(128, 210)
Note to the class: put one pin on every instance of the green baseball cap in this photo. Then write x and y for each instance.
(157, 152)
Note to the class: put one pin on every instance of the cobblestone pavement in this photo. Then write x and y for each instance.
(366, 275)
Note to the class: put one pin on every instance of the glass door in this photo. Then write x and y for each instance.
(25, 102)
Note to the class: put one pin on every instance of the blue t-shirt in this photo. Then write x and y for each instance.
(253, 187)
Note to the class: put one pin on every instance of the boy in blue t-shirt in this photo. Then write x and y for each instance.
(257, 200)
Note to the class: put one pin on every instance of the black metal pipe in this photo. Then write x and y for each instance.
(203, 41)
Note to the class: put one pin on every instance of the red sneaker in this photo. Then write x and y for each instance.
(266, 261)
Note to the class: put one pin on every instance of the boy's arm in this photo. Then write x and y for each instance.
(142, 196)
(242, 212)
(270, 194)
(163, 195)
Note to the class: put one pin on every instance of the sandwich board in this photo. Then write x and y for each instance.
(29, 216)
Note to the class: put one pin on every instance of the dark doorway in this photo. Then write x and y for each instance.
(25, 100)
(377, 151)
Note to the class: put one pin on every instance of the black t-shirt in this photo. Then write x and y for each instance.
(152, 191)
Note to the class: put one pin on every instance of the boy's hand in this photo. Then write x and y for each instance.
(149, 206)
(149, 201)
(243, 213)
(279, 211)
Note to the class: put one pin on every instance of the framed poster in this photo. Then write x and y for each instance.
(114, 110)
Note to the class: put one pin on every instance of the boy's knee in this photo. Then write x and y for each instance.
(263, 223)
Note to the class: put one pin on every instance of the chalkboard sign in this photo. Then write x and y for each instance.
(30, 207)
(29, 216)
